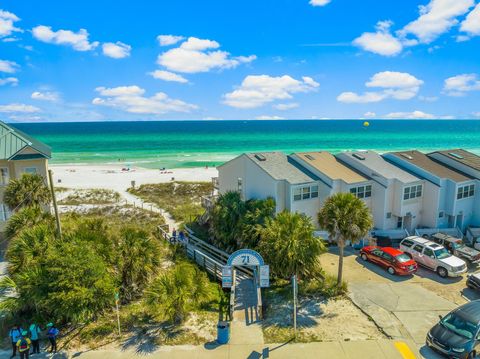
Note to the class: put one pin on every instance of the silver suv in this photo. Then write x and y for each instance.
(433, 256)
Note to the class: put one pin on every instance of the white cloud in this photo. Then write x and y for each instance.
(436, 18)
(319, 2)
(131, 99)
(7, 21)
(45, 96)
(256, 91)
(267, 117)
(415, 115)
(77, 40)
(8, 66)
(369, 114)
(476, 114)
(193, 56)
(428, 98)
(168, 76)
(117, 50)
(394, 85)
(461, 84)
(286, 106)
(381, 42)
(167, 40)
(471, 24)
(18, 108)
(9, 80)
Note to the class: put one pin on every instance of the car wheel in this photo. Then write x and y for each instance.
(364, 257)
(442, 272)
(391, 270)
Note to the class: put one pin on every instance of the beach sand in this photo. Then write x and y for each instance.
(112, 176)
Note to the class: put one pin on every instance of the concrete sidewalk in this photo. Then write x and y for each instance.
(372, 349)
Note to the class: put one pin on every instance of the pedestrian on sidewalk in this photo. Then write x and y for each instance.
(15, 334)
(23, 345)
(35, 330)
(52, 334)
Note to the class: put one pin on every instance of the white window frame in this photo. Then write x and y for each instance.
(412, 192)
(466, 191)
(303, 193)
(5, 212)
(362, 191)
(4, 182)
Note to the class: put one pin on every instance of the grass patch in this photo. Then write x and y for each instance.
(91, 196)
(61, 189)
(181, 199)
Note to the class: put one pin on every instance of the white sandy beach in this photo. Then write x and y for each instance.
(112, 176)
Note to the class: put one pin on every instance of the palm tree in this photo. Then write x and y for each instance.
(257, 213)
(28, 190)
(289, 245)
(26, 218)
(176, 292)
(345, 217)
(226, 218)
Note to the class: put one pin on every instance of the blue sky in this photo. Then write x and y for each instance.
(268, 59)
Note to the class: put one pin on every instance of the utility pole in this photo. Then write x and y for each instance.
(294, 285)
(54, 200)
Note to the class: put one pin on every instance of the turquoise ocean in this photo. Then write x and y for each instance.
(174, 144)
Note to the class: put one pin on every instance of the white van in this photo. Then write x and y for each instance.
(433, 256)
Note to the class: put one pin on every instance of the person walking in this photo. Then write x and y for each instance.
(35, 330)
(23, 345)
(15, 334)
(52, 334)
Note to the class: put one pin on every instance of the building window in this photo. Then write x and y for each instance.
(305, 192)
(362, 191)
(412, 192)
(466, 191)
(3, 175)
(441, 214)
(240, 185)
(399, 222)
(30, 170)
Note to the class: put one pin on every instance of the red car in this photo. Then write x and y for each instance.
(394, 260)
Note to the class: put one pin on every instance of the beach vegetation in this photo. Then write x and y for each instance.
(346, 218)
(182, 200)
(26, 191)
(25, 218)
(91, 196)
(289, 246)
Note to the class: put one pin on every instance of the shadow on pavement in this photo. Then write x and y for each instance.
(470, 294)
(144, 341)
(428, 353)
(429, 274)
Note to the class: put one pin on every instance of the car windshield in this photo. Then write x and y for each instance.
(459, 326)
(442, 253)
(402, 258)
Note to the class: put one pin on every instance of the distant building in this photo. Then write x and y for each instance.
(449, 198)
(398, 199)
(271, 174)
(19, 154)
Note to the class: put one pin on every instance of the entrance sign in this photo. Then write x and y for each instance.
(245, 257)
(227, 277)
(264, 276)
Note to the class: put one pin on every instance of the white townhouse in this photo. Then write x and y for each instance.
(459, 159)
(398, 195)
(334, 176)
(271, 174)
(449, 195)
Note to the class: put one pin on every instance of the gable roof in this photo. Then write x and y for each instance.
(330, 166)
(462, 156)
(278, 166)
(12, 141)
(380, 166)
(438, 169)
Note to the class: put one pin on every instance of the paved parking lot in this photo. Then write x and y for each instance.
(403, 307)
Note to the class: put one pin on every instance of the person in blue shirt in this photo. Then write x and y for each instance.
(35, 330)
(52, 334)
(15, 334)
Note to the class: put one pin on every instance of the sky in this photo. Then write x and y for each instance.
(239, 60)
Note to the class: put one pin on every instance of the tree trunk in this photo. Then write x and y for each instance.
(341, 246)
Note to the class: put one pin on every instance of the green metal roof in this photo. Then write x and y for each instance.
(12, 141)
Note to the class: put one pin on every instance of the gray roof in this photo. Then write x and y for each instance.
(382, 167)
(278, 166)
(12, 141)
(469, 159)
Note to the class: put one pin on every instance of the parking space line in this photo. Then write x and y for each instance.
(404, 350)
